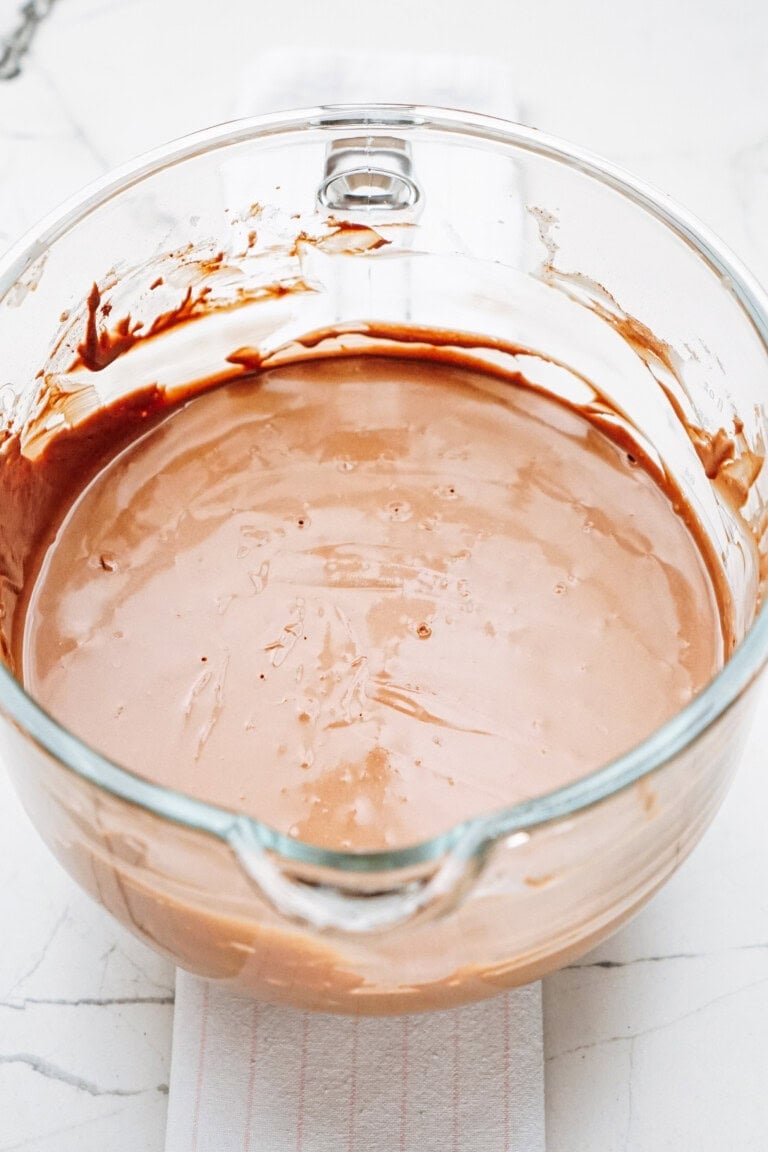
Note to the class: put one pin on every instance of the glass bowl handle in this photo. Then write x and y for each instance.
(368, 174)
(340, 907)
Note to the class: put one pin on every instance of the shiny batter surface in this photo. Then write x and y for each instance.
(363, 599)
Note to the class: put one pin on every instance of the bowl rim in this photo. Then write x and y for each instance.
(479, 832)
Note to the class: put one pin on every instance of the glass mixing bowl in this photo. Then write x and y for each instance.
(257, 233)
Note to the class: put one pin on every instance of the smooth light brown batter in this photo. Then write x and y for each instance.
(362, 599)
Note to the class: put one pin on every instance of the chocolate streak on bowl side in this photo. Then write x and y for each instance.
(35, 498)
(727, 457)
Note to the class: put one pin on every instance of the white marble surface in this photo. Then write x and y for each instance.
(657, 1042)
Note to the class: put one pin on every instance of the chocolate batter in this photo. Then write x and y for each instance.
(359, 598)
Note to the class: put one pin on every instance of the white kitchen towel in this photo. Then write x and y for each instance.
(303, 78)
(248, 1077)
